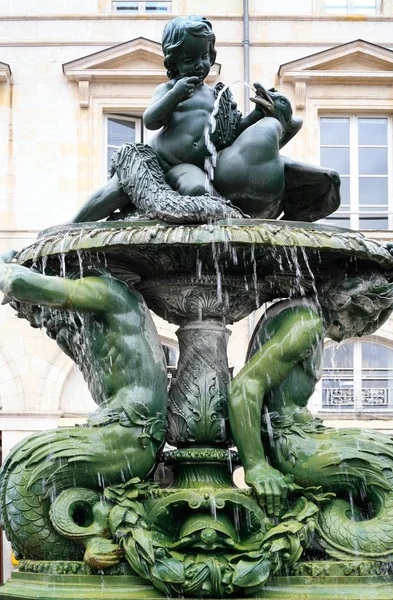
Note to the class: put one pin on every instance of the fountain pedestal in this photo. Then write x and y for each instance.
(202, 536)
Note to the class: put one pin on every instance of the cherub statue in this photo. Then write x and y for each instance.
(168, 178)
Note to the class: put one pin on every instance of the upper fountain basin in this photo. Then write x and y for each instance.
(218, 271)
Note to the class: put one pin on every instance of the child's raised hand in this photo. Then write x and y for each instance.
(184, 88)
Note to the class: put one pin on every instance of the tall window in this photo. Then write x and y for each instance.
(172, 357)
(359, 149)
(352, 7)
(120, 130)
(148, 7)
(358, 376)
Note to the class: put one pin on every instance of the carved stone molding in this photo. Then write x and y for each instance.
(123, 63)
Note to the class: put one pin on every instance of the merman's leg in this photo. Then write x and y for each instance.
(103, 202)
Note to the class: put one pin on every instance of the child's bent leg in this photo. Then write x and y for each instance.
(187, 179)
(102, 202)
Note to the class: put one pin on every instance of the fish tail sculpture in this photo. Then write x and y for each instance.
(358, 466)
(26, 488)
(39, 468)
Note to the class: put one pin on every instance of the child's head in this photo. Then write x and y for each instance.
(175, 33)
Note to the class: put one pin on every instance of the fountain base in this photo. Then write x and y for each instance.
(316, 580)
(51, 580)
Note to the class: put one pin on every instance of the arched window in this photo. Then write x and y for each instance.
(358, 376)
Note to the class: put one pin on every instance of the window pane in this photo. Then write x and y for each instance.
(336, 7)
(336, 3)
(339, 221)
(334, 132)
(375, 356)
(156, 7)
(365, 11)
(171, 355)
(336, 158)
(365, 7)
(120, 131)
(110, 151)
(373, 161)
(373, 222)
(365, 3)
(373, 132)
(344, 191)
(129, 7)
(373, 191)
(338, 356)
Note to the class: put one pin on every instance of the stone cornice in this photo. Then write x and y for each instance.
(115, 65)
(324, 64)
(5, 72)
(355, 63)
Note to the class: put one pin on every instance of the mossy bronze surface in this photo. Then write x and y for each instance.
(201, 536)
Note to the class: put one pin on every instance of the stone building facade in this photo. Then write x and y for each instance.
(77, 74)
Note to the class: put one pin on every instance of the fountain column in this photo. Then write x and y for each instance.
(197, 411)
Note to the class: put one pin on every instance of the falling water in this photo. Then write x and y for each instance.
(211, 159)
(269, 425)
(255, 276)
(213, 507)
(236, 518)
(80, 260)
(312, 277)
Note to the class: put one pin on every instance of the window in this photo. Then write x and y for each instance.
(172, 357)
(357, 376)
(359, 149)
(352, 7)
(147, 8)
(120, 130)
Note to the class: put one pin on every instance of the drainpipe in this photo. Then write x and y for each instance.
(246, 55)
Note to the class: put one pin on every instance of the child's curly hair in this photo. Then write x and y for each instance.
(174, 35)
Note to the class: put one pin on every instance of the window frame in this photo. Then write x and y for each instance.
(354, 176)
(358, 379)
(139, 134)
(141, 10)
(351, 9)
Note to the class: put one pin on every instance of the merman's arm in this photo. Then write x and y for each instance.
(299, 330)
(93, 294)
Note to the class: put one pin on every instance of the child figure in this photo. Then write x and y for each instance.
(249, 170)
